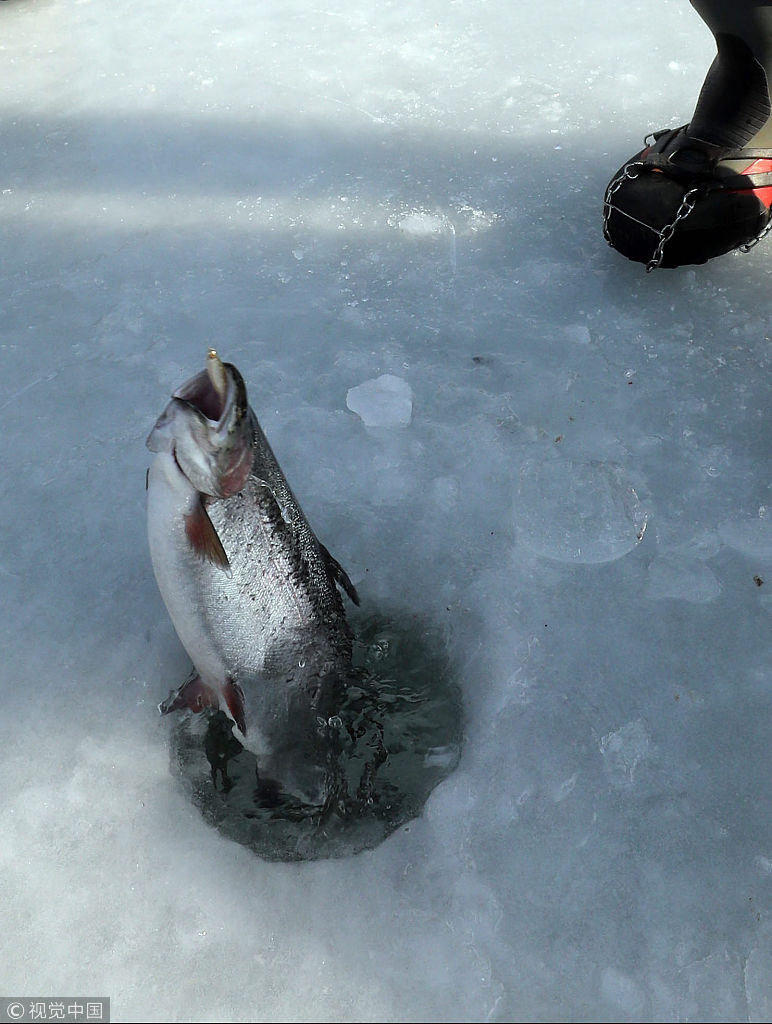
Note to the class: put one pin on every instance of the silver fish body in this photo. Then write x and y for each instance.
(252, 593)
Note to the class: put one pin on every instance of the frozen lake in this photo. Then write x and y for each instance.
(389, 218)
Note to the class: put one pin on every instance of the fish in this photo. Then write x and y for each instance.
(254, 596)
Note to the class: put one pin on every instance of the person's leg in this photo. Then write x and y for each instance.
(705, 189)
(734, 105)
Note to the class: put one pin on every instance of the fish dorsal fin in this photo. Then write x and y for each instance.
(272, 510)
(339, 574)
(281, 520)
(203, 537)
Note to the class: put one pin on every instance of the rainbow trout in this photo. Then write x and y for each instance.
(251, 591)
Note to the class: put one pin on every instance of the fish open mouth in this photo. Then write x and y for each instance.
(209, 390)
(207, 429)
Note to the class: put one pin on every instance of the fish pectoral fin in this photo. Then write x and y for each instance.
(193, 695)
(233, 696)
(339, 574)
(203, 537)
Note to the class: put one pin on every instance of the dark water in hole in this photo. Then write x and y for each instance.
(396, 736)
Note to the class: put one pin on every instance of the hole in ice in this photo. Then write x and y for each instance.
(396, 735)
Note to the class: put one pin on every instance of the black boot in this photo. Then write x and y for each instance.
(704, 189)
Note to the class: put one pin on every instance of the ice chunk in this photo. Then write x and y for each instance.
(585, 512)
(623, 750)
(385, 401)
(420, 223)
(563, 789)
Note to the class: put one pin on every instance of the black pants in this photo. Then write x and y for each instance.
(734, 105)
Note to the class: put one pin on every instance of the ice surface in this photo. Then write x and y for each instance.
(752, 537)
(583, 512)
(329, 194)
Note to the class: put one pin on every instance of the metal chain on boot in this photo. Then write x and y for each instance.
(687, 205)
(755, 241)
(629, 173)
(626, 174)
